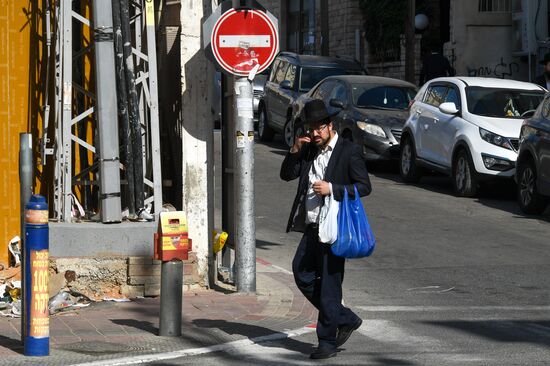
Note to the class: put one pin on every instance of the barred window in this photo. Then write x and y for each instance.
(495, 6)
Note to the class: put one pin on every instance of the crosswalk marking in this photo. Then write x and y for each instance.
(452, 308)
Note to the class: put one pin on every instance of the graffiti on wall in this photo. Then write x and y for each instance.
(501, 70)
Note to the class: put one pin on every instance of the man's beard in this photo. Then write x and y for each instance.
(322, 143)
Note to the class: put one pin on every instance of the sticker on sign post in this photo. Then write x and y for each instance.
(240, 139)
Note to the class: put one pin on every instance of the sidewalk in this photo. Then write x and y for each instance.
(109, 331)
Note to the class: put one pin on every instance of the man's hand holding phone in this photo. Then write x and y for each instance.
(299, 141)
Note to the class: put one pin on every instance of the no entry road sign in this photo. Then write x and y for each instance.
(244, 41)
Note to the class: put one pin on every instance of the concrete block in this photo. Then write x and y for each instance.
(140, 260)
(144, 280)
(131, 292)
(152, 290)
(143, 270)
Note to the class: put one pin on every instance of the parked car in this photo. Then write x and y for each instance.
(292, 75)
(467, 128)
(533, 163)
(370, 110)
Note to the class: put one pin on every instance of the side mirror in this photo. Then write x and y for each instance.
(448, 108)
(285, 84)
(337, 103)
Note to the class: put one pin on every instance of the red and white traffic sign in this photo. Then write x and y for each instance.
(243, 41)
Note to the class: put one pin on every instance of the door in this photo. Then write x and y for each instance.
(287, 96)
(338, 92)
(543, 148)
(272, 94)
(428, 116)
(444, 128)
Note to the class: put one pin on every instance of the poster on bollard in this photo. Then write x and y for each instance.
(39, 326)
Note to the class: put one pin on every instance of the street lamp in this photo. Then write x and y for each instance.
(421, 22)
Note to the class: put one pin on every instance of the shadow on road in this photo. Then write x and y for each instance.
(510, 331)
(12, 344)
(142, 325)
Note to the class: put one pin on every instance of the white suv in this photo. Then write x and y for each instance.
(467, 128)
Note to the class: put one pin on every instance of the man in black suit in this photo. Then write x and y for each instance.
(325, 164)
(544, 79)
(435, 65)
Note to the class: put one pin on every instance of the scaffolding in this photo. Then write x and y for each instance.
(73, 144)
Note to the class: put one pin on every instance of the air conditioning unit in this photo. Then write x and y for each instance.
(529, 25)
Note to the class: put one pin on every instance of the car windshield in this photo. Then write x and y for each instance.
(502, 103)
(309, 76)
(378, 96)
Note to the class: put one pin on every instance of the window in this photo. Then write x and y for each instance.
(375, 96)
(435, 94)
(281, 71)
(301, 26)
(502, 103)
(339, 93)
(495, 6)
(453, 96)
(274, 70)
(323, 91)
(546, 108)
(291, 75)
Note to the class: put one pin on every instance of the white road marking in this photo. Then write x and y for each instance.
(281, 269)
(378, 309)
(140, 359)
(389, 332)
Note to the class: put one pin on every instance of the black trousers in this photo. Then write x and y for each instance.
(319, 274)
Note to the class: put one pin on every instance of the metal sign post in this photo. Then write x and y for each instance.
(242, 38)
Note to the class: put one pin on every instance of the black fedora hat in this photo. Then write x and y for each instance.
(315, 111)
(546, 59)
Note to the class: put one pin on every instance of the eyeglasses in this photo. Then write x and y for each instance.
(319, 129)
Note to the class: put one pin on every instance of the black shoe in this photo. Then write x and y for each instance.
(344, 332)
(323, 352)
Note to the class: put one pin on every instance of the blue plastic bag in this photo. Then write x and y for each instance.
(355, 237)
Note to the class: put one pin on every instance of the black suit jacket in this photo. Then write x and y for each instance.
(345, 169)
(541, 80)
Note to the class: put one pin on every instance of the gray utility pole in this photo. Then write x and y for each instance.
(410, 42)
(25, 193)
(109, 165)
(245, 227)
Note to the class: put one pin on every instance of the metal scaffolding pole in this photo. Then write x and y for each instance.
(70, 137)
(66, 155)
(106, 112)
(122, 99)
(133, 107)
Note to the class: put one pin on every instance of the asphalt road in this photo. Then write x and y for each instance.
(453, 281)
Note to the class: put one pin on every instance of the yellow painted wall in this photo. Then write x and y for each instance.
(14, 112)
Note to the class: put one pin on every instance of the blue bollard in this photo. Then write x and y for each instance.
(36, 296)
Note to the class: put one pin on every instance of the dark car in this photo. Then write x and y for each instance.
(533, 163)
(371, 111)
(291, 76)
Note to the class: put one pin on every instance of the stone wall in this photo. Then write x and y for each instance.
(344, 18)
(116, 277)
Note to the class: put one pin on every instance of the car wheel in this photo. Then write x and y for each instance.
(410, 171)
(464, 175)
(265, 133)
(289, 133)
(529, 200)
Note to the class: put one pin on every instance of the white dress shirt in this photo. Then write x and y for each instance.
(317, 173)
